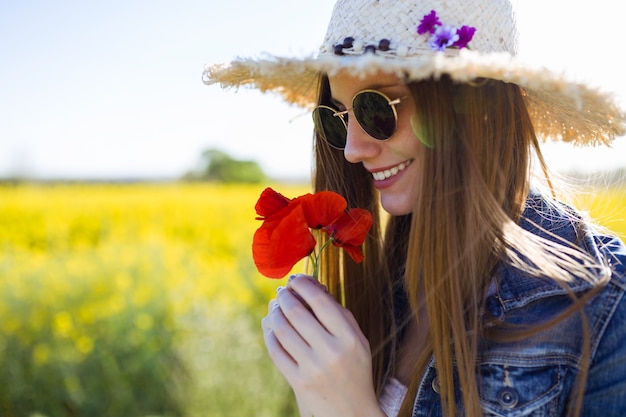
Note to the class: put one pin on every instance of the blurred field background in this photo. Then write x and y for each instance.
(142, 299)
(133, 300)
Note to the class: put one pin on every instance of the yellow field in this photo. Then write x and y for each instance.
(194, 238)
(130, 267)
(606, 207)
(91, 275)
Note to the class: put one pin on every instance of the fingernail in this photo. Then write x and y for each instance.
(275, 305)
(279, 289)
(292, 277)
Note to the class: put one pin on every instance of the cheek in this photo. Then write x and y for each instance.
(405, 143)
(408, 126)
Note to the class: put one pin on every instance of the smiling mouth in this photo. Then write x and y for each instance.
(388, 173)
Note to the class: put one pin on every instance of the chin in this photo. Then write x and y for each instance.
(396, 207)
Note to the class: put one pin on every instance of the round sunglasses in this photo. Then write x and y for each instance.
(374, 112)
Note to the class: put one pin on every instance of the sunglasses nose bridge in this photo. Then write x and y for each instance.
(343, 116)
(359, 145)
(349, 121)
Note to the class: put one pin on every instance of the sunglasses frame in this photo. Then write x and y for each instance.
(342, 115)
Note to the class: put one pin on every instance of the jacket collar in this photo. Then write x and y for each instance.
(515, 288)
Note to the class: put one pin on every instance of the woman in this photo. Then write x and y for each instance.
(480, 295)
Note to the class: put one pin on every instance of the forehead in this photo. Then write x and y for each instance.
(343, 86)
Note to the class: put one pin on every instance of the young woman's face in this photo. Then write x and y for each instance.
(393, 163)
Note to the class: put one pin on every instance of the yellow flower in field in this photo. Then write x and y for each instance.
(84, 344)
(41, 354)
(62, 324)
(86, 314)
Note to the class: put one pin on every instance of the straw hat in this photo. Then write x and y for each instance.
(418, 39)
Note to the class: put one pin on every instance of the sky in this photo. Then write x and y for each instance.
(113, 90)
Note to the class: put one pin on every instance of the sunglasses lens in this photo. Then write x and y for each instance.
(329, 126)
(374, 114)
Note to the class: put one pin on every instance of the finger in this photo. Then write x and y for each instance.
(324, 306)
(289, 337)
(265, 322)
(321, 341)
(279, 356)
(300, 314)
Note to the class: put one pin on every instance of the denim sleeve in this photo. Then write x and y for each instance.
(605, 392)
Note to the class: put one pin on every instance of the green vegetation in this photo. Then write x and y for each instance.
(218, 166)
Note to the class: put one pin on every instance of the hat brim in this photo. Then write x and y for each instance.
(560, 109)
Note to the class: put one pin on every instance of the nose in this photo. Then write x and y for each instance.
(359, 145)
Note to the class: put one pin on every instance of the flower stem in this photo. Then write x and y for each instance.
(315, 258)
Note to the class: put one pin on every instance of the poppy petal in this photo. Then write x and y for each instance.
(352, 227)
(270, 202)
(281, 242)
(355, 252)
(323, 208)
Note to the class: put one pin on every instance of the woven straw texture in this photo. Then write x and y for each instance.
(561, 109)
(370, 21)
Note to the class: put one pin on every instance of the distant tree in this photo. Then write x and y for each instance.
(221, 167)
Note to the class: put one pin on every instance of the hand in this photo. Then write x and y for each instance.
(321, 351)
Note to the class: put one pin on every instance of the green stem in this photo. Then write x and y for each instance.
(315, 258)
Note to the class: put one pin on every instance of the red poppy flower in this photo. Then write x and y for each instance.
(350, 230)
(281, 241)
(322, 209)
(269, 203)
(285, 236)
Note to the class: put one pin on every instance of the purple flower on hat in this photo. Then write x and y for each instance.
(443, 37)
(429, 23)
(466, 33)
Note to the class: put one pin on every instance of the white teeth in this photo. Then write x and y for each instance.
(388, 173)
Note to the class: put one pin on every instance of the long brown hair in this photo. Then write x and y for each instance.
(478, 167)
(474, 179)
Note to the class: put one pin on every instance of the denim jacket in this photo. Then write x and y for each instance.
(535, 376)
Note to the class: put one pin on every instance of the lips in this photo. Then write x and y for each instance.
(387, 173)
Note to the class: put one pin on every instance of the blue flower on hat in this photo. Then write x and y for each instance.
(443, 37)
